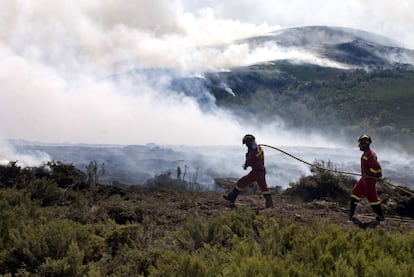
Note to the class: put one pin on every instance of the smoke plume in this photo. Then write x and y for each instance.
(59, 59)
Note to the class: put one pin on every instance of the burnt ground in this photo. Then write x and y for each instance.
(173, 207)
(170, 202)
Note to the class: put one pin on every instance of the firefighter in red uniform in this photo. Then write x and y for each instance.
(366, 185)
(254, 159)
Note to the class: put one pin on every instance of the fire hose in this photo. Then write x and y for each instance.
(338, 171)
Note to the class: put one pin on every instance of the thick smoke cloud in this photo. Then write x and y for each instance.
(58, 58)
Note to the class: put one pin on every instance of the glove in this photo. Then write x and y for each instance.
(379, 175)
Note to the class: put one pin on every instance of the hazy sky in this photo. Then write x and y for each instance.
(394, 19)
(55, 57)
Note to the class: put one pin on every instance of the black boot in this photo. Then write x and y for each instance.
(378, 211)
(231, 197)
(352, 207)
(269, 201)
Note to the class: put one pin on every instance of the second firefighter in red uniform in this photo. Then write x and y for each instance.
(255, 160)
(366, 185)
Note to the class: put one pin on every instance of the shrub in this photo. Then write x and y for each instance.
(38, 241)
(46, 191)
(70, 265)
(10, 174)
(123, 212)
(322, 184)
(128, 261)
(165, 182)
(222, 231)
(66, 175)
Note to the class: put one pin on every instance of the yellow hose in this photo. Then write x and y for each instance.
(337, 171)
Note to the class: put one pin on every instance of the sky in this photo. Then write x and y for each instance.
(393, 19)
(57, 59)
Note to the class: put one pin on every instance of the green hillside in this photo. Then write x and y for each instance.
(331, 100)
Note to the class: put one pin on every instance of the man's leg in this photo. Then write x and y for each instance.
(240, 185)
(261, 182)
(231, 197)
(378, 211)
(356, 194)
(352, 207)
(268, 200)
(374, 200)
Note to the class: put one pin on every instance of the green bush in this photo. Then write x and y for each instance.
(129, 261)
(280, 247)
(46, 191)
(70, 265)
(34, 242)
(322, 184)
(223, 230)
(121, 211)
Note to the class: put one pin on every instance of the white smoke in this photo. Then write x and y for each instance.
(58, 58)
(29, 158)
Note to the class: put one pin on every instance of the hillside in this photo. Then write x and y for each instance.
(53, 224)
(369, 89)
(312, 97)
(329, 79)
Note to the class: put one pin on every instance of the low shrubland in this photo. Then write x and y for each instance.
(50, 230)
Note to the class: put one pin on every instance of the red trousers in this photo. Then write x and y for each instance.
(253, 176)
(366, 187)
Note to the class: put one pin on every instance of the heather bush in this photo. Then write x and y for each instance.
(282, 247)
(322, 184)
(46, 191)
(70, 265)
(121, 211)
(222, 231)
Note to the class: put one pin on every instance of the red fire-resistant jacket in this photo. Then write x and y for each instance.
(369, 164)
(255, 159)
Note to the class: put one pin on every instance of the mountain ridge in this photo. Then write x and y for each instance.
(372, 95)
(344, 42)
